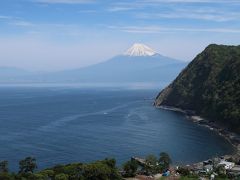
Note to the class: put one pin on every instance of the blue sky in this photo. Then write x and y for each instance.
(63, 34)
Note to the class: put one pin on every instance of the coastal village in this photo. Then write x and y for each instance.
(222, 167)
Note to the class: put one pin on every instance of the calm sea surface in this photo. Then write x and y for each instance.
(62, 125)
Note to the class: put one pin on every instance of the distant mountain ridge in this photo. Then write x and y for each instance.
(138, 64)
(8, 74)
(209, 85)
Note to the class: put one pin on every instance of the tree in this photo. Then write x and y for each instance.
(27, 165)
(3, 166)
(183, 171)
(96, 170)
(165, 160)
(130, 168)
(111, 163)
(47, 173)
(151, 160)
(61, 176)
(6, 176)
(221, 171)
(101, 170)
(151, 165)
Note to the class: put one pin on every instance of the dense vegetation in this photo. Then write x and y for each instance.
(209, 85)
(100, 170)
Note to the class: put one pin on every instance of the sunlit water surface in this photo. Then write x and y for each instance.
(61, 125)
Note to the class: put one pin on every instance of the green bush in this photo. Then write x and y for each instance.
(130, 168)
(183, 171)
(61, 176)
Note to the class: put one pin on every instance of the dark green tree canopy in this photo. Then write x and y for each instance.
(3, 166)
(165, 160)
(209, 85)
(27, 165)
(130, 168)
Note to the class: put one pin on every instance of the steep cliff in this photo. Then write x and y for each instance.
(209, 85)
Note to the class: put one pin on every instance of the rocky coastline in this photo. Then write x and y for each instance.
(231, 137)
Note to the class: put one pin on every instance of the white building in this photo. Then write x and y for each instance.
(226, 164)
(208, 168)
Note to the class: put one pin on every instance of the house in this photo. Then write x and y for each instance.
(207, 162)
(234, 172)
(227, 165)
(196, 168)
(208, 168)
(236, 169)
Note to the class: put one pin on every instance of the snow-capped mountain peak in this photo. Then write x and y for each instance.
(140, 50)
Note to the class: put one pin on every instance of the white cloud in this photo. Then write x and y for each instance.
(158, 29)
(22, 23)
(191, 1)
(64, 1)
(210, 15)
(48, 29)
(171, 9)
(119, 8)
(88, 11)
(5, 17)
(8, 18)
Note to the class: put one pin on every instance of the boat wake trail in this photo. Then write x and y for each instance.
(62, 121)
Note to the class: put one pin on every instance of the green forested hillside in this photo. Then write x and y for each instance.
(209, 85)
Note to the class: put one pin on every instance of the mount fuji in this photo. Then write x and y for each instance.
(139, 63)
(140, 50)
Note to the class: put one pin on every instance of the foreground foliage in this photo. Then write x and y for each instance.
(99, 170)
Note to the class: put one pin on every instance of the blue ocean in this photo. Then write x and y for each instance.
(60, 125)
